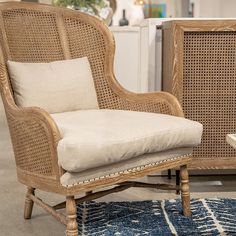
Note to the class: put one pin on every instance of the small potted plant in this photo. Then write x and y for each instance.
(100, 8)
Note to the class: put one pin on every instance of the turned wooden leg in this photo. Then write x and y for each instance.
(28, 203)
(72, 225)
(185, 190)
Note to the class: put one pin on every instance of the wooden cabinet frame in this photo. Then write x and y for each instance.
(176, 73)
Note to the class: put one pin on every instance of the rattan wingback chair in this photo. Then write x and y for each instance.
(40, 33)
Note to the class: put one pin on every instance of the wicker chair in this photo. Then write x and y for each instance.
(58, 34)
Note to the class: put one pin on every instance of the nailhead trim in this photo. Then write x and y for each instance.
(134, 169)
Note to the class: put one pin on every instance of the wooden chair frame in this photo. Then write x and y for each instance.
(34, 133)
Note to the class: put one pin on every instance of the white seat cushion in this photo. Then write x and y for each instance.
(93, 138)
(57, 86)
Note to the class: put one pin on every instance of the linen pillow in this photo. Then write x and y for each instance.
(57, 86)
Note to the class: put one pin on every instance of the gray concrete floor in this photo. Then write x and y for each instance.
(12, 195)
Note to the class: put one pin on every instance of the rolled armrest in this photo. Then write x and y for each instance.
(40, 116)
(34, 136)
(157, 102)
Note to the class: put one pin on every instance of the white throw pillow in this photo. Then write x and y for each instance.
(57, 86)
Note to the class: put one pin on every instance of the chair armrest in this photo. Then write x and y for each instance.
(34, 136)
(38, 115)
(156, 102)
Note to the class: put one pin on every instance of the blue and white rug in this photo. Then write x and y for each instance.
(210, 217)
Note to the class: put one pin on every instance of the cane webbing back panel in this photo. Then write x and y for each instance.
(209, 89)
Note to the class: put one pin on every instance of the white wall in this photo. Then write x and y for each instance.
(206, 8)
(215, 8)
(227, 8)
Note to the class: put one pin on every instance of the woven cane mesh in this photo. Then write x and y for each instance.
(86, 40)
(209, 89)
(32, 151)
(32, 35)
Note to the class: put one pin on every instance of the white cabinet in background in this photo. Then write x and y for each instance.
(127, 57)
(136, 60)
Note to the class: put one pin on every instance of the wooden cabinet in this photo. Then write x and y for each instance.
(199, 68)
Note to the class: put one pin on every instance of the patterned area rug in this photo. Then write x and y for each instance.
(158, 218)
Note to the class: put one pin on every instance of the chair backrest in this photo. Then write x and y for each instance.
(41, 33)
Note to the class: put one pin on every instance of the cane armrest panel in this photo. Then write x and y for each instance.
(156, 102)
(162, 100)
(35, 137)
